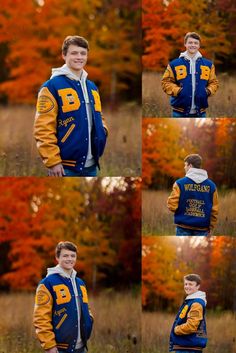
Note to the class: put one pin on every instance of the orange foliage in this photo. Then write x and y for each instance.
(166, 142)
(36, 213)
(164, 150)
(165, 24)
(165, 260)
(34, 40)
(162, 272)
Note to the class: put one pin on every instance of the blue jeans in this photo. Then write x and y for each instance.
(185, 231)
(187, 351)
(86, 172)
(81, 350)
(182, 115)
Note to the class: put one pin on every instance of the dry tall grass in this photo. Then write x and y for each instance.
(159, 221)
(156, 102)
(117, 326)
(19, 157)
(156, 217)
(156, 328)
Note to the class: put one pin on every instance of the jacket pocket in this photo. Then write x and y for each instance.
(61, 321)
(100, 142)
(89, 327)
(67, 134)
(182, 100)
(202, 99)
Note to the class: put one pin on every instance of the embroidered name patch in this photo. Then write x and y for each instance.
(44, 104)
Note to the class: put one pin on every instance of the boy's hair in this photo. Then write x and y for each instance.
(192, 35)
(74, 40)
(194, 159)
(193, 277)
(65, 245)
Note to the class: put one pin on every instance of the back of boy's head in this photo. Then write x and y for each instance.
(67, 245)
(194, 159)
(193, 278)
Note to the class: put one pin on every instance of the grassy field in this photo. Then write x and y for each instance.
(156, 328)
(157, 220)
(156, 102)
(19, 157)
(117, 326)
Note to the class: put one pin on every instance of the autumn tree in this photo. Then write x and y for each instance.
(162, 273)
(33, 44)
(164, 149)
(166, 142)
(165, 24)
(165, 260)
(35, 214)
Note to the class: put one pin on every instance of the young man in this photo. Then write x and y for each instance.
(190, 80)
(69, 129)
(194, 200)
(188, 333)
(62, 318)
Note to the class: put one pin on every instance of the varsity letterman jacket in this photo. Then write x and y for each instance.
(189, 82)
(68, 127)
(189, 329)
(61, 315)
(194, 201)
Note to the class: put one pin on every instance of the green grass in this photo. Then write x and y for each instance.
(117, 327)
(19, 156)
(158, 220)
(156, 102)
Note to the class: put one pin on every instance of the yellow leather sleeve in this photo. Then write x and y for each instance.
(45, 127)
(195, 315)
(173, 199)
(214, 210)
(168, 83)
(213, 83)
(42, 317)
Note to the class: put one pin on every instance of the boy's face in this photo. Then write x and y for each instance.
(67, 259)
(76, 58)
(190, 287)
(192, 45)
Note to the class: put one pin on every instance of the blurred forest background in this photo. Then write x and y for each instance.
(165, 260)
(166, 142)
(165, 23)
(103, 217)
(30, 45)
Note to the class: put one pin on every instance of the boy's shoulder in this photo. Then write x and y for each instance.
(211, 183)
(196, 300)
(181, 180)
(205, 61)
(91, 85)
(50, 279)
(176, 62)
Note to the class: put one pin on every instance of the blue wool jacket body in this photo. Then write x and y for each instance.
(182, 102)
(195, 203)
(76, 146)
(66, 140)
(197, 340)
(56, 320)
